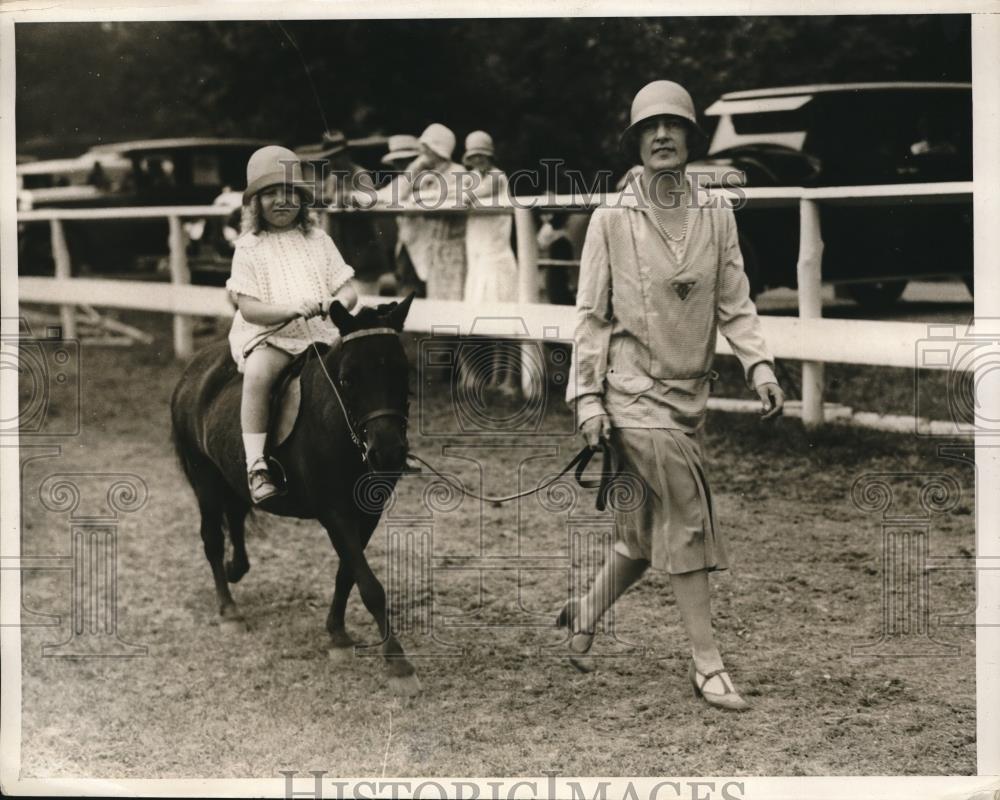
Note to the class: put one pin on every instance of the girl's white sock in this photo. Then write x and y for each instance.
(253, 443)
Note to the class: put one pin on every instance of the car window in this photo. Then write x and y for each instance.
(876, 137)
(768, 122)
(205, 170)
(156, 171)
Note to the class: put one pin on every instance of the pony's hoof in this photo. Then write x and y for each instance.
(341, 655)
(405, 686)
(234, 625)
(232, 620)
(234, 571)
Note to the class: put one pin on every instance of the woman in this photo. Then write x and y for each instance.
(641, 365)
(435, 242)
(491, 275)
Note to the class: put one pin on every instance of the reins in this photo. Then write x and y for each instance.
(610, 469)
(352, 426)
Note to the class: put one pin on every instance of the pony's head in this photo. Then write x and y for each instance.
(372, 376)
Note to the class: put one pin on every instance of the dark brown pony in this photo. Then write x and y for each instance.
(324, 459)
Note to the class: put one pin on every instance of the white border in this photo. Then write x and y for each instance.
(986, 93)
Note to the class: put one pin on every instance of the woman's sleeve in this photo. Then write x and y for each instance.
(243, 276)
(592, 335)
(337, 271)
(738, 320)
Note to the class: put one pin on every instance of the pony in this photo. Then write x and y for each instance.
(351, 426)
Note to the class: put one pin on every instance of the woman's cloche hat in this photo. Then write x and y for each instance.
(661, 98)
(478, 143)
(440, 139)
(402, 147)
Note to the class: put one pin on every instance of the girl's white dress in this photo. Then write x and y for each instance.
(491, 275)
(286, 267)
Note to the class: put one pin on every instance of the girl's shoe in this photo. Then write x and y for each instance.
(730, 701)
(578, 657)
(262, 487)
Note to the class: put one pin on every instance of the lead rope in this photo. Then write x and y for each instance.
(580, 461)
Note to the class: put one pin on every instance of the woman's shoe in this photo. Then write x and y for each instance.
(578, 655)
(259, 481)
(730, 701)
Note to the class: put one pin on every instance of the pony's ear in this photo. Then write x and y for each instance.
(342, 318)
(397, 316)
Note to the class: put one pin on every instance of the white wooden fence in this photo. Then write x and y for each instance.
(808, 338)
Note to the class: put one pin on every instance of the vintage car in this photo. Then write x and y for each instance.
(157, 172)
(851, 135)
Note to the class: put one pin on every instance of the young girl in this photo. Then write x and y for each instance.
(285, 270)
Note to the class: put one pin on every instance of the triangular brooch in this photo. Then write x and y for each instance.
(683, 288)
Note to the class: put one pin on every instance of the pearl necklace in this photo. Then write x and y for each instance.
(684, 226)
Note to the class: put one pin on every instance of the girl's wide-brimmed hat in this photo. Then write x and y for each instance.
(440, 139)
(275, 166)
(477, 143)
(402, 147)
(661, 98)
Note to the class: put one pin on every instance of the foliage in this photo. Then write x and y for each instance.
(545, 88)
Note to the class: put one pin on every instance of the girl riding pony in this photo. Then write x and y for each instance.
(286, 272)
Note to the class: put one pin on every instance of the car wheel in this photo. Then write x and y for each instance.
(876, 296)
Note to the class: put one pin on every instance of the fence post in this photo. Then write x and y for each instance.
(527, 289)
(809, 269)
(180, 275)
(64, 271)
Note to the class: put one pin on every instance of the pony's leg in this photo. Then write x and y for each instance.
(350, 549)
(341, 642)
(239, 564)
(214, 541)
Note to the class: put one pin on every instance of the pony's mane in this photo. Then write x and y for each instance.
(369, 317)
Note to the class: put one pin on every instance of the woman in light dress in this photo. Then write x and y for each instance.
(491, 275)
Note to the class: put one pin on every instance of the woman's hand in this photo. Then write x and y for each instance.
(772, 400)
(596, 429)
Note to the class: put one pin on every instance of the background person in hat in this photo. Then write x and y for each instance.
(641, 365)
(435, 243)
(403, 149)
(491, 269)
(285, 270)
(346, 184)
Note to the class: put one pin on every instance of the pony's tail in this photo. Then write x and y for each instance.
(181, 449)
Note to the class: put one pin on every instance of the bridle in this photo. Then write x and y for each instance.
(356, 428)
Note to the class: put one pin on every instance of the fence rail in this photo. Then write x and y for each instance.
(808, 338)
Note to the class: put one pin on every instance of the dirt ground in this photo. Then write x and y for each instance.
(805, 591)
